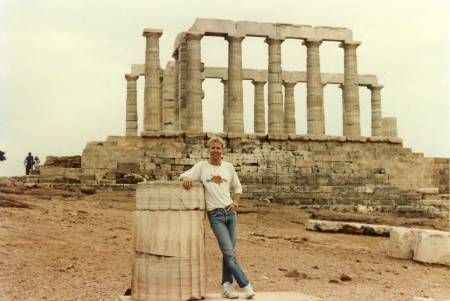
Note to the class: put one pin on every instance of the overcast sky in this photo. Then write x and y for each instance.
(63, 64)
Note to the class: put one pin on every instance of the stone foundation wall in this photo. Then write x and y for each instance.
(321, 172)
(440, 177)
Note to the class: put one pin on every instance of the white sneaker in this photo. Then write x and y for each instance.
(228, 291)
(248, 291)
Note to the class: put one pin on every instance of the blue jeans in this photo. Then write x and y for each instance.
(223, 224)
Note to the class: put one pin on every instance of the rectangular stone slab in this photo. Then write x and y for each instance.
(260, 296)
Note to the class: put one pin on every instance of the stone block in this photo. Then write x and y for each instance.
(428, 190)
(51, 171)
(431, 246)
(127, 167)
(348, 227)
(401, 243)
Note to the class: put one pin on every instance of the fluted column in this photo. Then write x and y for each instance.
(194, 85)
(389, 127)
(152, 92)
(275, 98)
(235, 91)
(351, 94)
(314, 97)
(170, 114)
(259, 115)
(289, 108)
(182, 85)
(375, 91)
(131, 105)
(225, 105)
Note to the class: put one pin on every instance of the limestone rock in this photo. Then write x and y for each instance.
(347, 227)
(401, 243)
(432, 247)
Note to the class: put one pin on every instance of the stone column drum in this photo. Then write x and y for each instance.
(194, 84)
(351, 115)
(289, 108)
(131, 105)
(389, 126)
(235, 91)
(169, 260)
(152, 92)
(314, 98)
(275, 98)
(375, 91)
(226, 107)
(259, 113)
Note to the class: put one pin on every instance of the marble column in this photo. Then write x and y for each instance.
(314, 97)
(170, 116)
(259, 114)
(131, 105)
(176, 84)
(275, 97)
(389, 127)
(182, 85)
(152, 92)
(375, 91)
(225, 105)
(235, 90)
(351, 94)
(289, 108)
(194, 84)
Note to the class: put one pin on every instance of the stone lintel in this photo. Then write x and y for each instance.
(220, 27)
(152, 31)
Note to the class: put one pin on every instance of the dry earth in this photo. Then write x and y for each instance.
(66, 245)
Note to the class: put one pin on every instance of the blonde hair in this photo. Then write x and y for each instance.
(216, 139)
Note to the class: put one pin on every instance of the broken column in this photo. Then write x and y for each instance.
(351, 122)
(389, 126)
(169, 260)
(152, 92)
(314, 98)
(289, 108)
(131, 105)
(259, 114)
(235, 91)
(275, 98)
(170, 103)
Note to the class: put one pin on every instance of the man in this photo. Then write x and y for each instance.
(29, 162)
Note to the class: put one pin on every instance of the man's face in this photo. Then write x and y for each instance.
(215, 151)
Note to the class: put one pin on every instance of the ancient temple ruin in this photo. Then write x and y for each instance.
(313, 169)
(173, 96)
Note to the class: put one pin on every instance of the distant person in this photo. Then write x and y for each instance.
(37, 162)
(28, 162)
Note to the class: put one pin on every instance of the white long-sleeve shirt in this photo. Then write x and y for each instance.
(217, 181)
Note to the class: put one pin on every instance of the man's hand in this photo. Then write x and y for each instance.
(233, 207)
(186, 183)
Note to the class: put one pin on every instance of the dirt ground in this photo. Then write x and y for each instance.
(66, 245)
